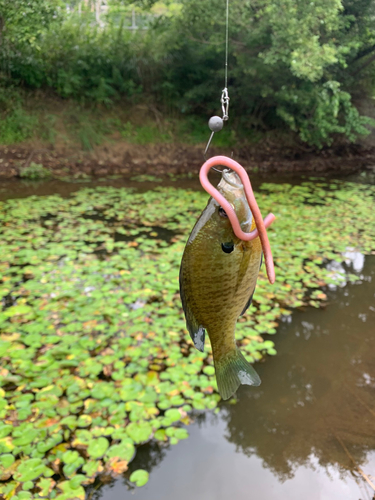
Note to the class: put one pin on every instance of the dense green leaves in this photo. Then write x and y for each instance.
(290, 62)
(95, 358)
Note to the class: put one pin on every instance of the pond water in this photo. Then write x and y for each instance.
(307, 432)
(302, 434)
(16, 188)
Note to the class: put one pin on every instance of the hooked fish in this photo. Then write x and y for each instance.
(218, 275)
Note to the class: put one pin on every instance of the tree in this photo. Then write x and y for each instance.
(289, 60)
(24, 21)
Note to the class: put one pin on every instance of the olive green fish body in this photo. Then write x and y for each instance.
(217, 280)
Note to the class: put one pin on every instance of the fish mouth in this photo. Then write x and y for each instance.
(228, 177)
(234, 180)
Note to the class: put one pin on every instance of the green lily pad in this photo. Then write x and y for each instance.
(91, 468)
(30, 470)
(6, 460)
(160, 435)
(76, 481)
(45, 485)
(69, 457)
(209, 370)
(19, 310)
(98, 447)
(5, 430)
(124, 451)
(139, 477)
(69, 492)
(84, 421)
(181, 434)
(173, 415)
(139, 432)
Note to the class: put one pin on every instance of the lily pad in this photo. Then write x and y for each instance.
(140, 432)
(95, 349)
(98, 447)
(124, 451)
(139, 477)
(6, 460)
(30, 470)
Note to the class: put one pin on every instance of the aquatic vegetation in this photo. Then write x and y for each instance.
(95, 358)
(35, 171)
(145, 178)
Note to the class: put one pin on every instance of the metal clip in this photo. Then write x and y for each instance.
(216, 123)
(225, 104)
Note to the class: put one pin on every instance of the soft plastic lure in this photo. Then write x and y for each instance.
(261, 225)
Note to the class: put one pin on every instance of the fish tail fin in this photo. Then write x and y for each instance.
(232, 370)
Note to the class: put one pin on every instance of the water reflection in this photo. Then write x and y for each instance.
(301, 430)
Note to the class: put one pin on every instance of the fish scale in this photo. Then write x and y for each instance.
(216, 286)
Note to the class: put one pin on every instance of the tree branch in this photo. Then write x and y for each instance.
(364, 52)
(369, 61)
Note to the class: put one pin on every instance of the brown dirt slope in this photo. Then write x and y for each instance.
(128, 159)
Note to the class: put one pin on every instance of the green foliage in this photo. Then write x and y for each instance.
(82, 62)
(35, 171)
(94, 355)
(331, 113)
(289, 63)
(16, 125)
(22, 23)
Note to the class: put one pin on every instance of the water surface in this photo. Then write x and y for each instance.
(302, 434)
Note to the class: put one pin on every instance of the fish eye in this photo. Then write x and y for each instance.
(227, 247)
(222, 212)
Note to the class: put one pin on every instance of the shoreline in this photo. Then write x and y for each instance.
(124, 158)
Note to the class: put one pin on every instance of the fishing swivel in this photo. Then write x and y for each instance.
(225, 104)
(216, 123)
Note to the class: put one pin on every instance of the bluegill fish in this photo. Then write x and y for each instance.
(218, 275)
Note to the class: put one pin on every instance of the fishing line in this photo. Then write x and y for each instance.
(226, 45)
(216, 123)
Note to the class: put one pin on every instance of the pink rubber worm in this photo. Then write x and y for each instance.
(261, 224)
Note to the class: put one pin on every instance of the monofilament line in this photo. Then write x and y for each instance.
(226, 45)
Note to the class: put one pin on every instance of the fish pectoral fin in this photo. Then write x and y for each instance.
(247, 304)
(197, 336)
(196, 331)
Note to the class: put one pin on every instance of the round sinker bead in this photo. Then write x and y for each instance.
(215, 123)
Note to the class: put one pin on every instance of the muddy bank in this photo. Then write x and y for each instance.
(121, 158)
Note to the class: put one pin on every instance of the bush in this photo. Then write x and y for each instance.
(35, 171)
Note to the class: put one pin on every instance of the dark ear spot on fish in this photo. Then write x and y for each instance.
(227, 247)
(222, 212)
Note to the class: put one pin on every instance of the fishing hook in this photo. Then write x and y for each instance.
(261, 224)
